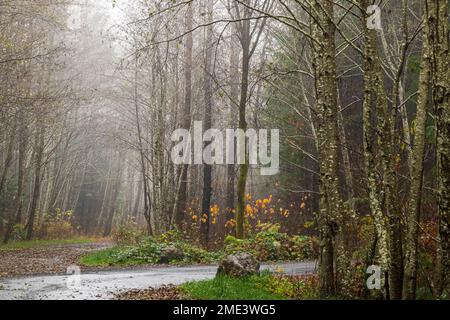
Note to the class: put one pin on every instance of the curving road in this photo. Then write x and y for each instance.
(102, 285)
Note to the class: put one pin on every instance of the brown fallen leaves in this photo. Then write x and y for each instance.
(162, 293)
(42, 261)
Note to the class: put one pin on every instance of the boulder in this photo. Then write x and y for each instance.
(169, 254)
(239, 265)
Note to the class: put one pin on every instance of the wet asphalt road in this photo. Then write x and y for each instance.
(103, 285)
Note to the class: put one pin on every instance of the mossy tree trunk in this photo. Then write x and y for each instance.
(417, 167)
(243, 168)
(439, 37)
(234, 100)
(331, 204)
(379, 147)
(249, 36)
(371, 146)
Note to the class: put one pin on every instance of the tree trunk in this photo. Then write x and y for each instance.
(441, 97)
(207, 169)
(137, 202)
(243, 168)
(180, 210)
(8, 159)
(20, 181)
(417, 166)
(112, 205)
(387, 221)
(147, 196)
(331, 204)
(234, 98)
(39, 152)
(371, 93)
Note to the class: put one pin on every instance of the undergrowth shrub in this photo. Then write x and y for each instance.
(138, 249)
(58, 226)
(295, 287)
(18, 233)
(270, 244)
(128, 233)
(362, 237)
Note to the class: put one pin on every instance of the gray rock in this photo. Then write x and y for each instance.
(239, 265)
(170, 254)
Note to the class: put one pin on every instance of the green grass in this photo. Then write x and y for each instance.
(20, 245)
(228, 288)
(149, 251)
(108, 257)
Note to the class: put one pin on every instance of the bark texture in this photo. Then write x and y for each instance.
(417, 167)
(441, 97)
(331, 204)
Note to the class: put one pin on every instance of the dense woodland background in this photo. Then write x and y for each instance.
(91, 91)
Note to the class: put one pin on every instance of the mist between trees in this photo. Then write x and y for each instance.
(229, 149)
(91, 93)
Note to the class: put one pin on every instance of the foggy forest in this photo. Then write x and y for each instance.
(349, 97)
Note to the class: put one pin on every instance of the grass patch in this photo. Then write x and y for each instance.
(228, 288)
(150, 250)
(266, 286)
(108, 257)
(20, 245)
